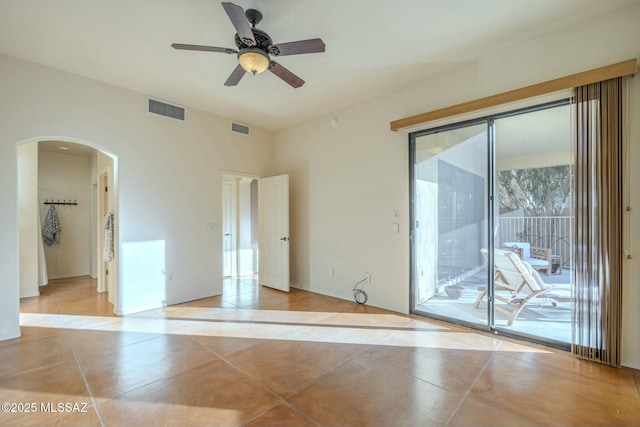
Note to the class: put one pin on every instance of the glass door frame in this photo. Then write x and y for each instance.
(413, 136)
(489, 120)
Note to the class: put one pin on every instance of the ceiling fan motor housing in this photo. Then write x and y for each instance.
(263, 41)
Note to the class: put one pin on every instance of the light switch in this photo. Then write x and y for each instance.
(395, 228)
(212, 227)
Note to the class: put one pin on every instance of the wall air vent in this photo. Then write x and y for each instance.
(163, 109)
(239, 128)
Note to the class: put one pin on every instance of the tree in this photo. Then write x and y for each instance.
(537, 191)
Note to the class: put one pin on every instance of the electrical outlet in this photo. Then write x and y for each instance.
(367, 276)
(332, 272)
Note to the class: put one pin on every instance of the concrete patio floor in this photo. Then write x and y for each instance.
(543, 321)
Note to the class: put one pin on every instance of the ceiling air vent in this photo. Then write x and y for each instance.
(168, 110)
(239, 128)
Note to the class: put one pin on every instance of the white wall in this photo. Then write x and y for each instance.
(345, 182)
(10, 286)
(29, 225)
(168, 172)
(67, 177)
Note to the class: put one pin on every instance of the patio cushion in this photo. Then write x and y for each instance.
(539, 258)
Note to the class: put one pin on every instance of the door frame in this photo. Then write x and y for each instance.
(105, 283)
(235, 178)
(229, 207)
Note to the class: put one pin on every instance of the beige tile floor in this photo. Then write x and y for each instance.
(259, 357)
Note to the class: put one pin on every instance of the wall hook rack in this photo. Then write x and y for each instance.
(58, 202)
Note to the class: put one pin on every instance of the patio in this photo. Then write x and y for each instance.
(544, 320)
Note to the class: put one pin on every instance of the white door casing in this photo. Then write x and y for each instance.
(105, 275)
(227, 264)
(273, 224)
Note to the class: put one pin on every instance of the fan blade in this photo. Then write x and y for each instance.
(286, 75)
(240, 22)
(203, 48)
(297, 48)
(236, 76)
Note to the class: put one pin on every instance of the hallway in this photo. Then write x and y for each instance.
(259, 357)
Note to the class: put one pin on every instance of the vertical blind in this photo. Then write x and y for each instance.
(598, 159)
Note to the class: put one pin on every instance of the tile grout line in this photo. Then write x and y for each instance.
(299, 412)
(84, 378)
(250, 377)
(325, 375)
(159, 380)
(361, 353)
(245, 422)
(254, 380)
(407, 373)
(286, 400)
(281, 402)
(279, 399)
(473, 383)
(75, 356)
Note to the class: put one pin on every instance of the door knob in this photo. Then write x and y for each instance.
(285, 239)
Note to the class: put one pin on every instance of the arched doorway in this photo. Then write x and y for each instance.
(70, 176)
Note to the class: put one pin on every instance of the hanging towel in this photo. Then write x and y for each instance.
(108, 237)
(51, 229)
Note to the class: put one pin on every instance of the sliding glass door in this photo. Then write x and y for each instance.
(491, 223)
(534, 216)
(449, 195)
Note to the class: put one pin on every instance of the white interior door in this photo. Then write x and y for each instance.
(227, 249)
(273, 225)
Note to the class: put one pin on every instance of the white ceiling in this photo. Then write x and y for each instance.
(372, 47)
(66, 148)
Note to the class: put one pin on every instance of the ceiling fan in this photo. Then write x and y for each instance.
(255, 47)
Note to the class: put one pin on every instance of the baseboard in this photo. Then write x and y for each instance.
(347, 297)
(69, 276)
(133, 310)
(11, 335)
(322, 292)
(35, 294)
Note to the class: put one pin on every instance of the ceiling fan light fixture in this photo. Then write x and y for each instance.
(255, 47)
(253, 60)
